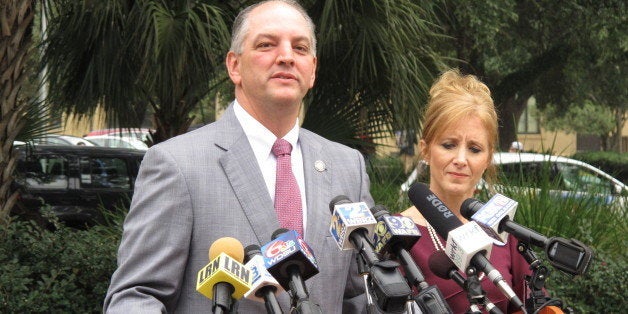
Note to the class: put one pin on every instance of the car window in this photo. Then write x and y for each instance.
(104, 172)
(529, 174)
(577, 178)
(43, 172)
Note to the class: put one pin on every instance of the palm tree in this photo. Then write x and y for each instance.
(22, 116)
(376, 63)
(375, 57)
(127, 56)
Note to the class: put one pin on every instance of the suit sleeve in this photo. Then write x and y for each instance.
(155, 242)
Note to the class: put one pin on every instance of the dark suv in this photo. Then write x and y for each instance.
(75, 181)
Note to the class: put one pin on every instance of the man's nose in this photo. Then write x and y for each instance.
(286, 55)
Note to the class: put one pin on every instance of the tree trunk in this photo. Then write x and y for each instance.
(509, 113)
(16, 18)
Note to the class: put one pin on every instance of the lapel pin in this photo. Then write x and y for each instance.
(319, 165)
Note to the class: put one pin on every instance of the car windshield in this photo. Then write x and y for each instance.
(578, 178)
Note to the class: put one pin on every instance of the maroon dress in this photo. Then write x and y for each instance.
(505, 259)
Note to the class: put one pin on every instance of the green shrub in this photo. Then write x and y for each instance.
(386, 176)
(61, 271)
(601, 290)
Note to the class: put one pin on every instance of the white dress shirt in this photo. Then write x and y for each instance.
(261, 140)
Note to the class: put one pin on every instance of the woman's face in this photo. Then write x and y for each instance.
(458, 158)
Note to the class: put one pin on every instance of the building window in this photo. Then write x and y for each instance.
(529, 119)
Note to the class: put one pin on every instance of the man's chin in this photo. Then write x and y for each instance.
(288, 98)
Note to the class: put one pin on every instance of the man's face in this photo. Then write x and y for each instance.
(276, 65)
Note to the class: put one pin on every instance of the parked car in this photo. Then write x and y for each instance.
(55, 139)
(76, 182)
(570, 178)
(142, 134)
(117, 141)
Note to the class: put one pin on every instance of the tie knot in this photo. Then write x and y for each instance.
(281, 147)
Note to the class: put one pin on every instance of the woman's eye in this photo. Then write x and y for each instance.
(475, 150)
(448, 145)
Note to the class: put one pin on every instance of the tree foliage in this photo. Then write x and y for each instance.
(535, 48)
(129, 55)
(588, 118)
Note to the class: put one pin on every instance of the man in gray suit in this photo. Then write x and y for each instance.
(219, 180)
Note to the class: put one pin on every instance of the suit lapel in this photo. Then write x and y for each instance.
(246, 179)
(317, 170)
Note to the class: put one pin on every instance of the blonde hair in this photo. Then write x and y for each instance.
(454, 97)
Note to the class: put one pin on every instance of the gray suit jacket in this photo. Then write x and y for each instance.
(206, 184)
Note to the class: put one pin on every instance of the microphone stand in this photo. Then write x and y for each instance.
(429, 298)
(222, 301)
(475, 294)
(300, 298)
(363, 270)
(384, 276)
(536, 282)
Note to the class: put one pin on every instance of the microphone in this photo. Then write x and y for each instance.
(462, 239)
(224, 278)
(290, 260)
(264, 287)
(350, 218)
(497, 209)
(444, 268)
(570, 256)
(351, 227)
(395, 235)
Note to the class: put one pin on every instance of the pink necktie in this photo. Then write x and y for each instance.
(287, 194)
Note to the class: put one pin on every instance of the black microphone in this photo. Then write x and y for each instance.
(264, 286)
(290, 260)
(445, 223)
(570, 256)
(350, 226)
(395, 235)
(444, 268)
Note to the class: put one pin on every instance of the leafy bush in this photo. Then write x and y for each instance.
(61, 271)
(386, 176)
(601, 290)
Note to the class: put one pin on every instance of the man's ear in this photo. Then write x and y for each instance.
(233, 67)
(313, 76)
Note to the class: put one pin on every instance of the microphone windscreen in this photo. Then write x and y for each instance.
(229, 246)
(469, 207)
(433, 209)
(340, 199)
(278, 232)
(250, 251)
(440, 264)
(379, 210)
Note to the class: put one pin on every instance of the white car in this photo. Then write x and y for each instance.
(572, 178)
(117, 141)
(55, 139)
